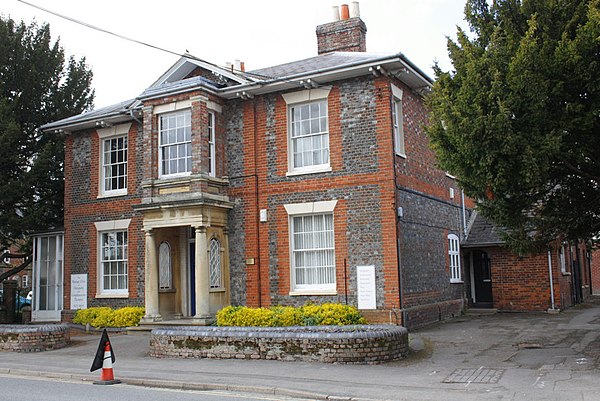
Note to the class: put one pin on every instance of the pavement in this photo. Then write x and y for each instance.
(504, 356)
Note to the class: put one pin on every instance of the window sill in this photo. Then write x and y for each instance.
(293, 173)
(119, 295)
(167, 290)
(312, 292)
(402, 155)
(457, 282)
(217, 290)
(112, 194)
(566, 273)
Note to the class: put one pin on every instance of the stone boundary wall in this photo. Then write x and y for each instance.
(20, 338)
(361, 344)
(423, 315)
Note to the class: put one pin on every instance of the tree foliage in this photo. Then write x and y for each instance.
(517, 120)
(37, 86)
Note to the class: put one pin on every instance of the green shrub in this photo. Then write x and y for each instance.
(107, 317)
(278, 316)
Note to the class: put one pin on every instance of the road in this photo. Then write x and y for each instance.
(44, 389)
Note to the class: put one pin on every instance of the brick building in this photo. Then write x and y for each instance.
(551, 280)
(307, 181)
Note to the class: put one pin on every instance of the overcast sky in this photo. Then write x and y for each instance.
(260, 32)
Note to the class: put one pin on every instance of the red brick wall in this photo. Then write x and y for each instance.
(596, 271)
(83, 208)
(522, 283)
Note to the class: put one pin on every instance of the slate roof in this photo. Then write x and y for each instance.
(102, 112)
(313, 64)
(174, 87)
(482, 233)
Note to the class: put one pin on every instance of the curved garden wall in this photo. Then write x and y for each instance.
(363, 344)
(36, 338)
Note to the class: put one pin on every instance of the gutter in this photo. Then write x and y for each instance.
(310, 74)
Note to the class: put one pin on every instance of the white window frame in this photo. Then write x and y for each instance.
(562, 259)
(398, 121)
(165, 267)
(215, 264)
(212, 165)
(298, 99)
(310, 209)
(108, 134)
(454, 257)
(185, 112)
(102, 228)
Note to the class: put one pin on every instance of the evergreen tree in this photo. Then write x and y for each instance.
(517, 120)
(37, 86)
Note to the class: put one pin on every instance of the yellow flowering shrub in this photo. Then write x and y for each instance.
(107, 317)
(278, 316)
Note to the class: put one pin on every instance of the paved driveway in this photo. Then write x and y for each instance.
(528, 355)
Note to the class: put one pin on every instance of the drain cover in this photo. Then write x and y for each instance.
(481, 375)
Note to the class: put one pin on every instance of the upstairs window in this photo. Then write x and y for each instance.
(454, 254)
(175, 143)
(211, 145)
(398, 121)
(309, 136)
(114, 165)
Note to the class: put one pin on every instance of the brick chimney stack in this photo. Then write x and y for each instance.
(347, 32)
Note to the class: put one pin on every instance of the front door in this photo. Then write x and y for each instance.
(482, 279)
(192, 280)
(48, 277)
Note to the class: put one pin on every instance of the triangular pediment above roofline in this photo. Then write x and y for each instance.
(188, 63)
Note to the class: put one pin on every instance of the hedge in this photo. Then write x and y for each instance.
(278, 316)
(108, 317)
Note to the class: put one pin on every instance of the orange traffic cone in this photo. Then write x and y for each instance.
(107, 376)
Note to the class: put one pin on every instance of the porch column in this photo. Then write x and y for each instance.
(151, 279)
(202, 275)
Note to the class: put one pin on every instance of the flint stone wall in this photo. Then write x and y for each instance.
(46, 337)
(362, 344)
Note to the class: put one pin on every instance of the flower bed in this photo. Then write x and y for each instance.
(33, 338)
(359, 344)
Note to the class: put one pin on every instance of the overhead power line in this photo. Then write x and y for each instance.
(139, 42)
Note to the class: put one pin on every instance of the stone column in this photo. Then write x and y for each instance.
(151, 280)
(202, 275)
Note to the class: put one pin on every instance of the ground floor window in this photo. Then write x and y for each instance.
(113, 266)
(454, 254)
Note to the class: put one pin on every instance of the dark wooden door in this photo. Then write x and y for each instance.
(482, 277)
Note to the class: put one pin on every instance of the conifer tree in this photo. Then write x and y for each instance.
(517, 119)
(37, 86)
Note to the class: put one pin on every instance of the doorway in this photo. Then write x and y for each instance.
(48, 277)
(481, 280)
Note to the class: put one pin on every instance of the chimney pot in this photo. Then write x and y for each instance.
(354, 10)
(336, 13)
(237, 65)
(243, 66)
(345, 12)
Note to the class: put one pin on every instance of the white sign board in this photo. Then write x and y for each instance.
(79, 291)
(365, 281)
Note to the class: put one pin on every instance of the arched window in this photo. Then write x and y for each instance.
(214, 263)
(454, 253)
(164, 266)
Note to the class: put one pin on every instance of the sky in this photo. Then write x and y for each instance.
(260, 33)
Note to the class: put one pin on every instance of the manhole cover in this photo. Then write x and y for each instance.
(481, 375)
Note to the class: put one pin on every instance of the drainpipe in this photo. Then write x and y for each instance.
(464, 212)
(551, 280)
